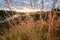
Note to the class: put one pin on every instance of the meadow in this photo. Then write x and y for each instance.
(33, 26)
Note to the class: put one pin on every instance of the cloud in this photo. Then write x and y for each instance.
(58, 5)
(47, 3)
(26, 2)
(38, 1)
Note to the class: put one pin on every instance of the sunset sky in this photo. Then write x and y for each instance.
(18, 4)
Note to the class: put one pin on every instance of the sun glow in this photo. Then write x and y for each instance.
(24, 9)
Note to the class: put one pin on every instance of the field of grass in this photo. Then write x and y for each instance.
(30, 28)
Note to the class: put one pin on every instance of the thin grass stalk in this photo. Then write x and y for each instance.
(41, 12)
(41, 19)
(50, 21)
(15, 12)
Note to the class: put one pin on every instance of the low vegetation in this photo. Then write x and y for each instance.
(28, 27)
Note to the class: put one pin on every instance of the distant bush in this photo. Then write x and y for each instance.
(23, 18)
(36, 17)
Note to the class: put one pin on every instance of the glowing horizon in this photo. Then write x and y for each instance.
(24, 9)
